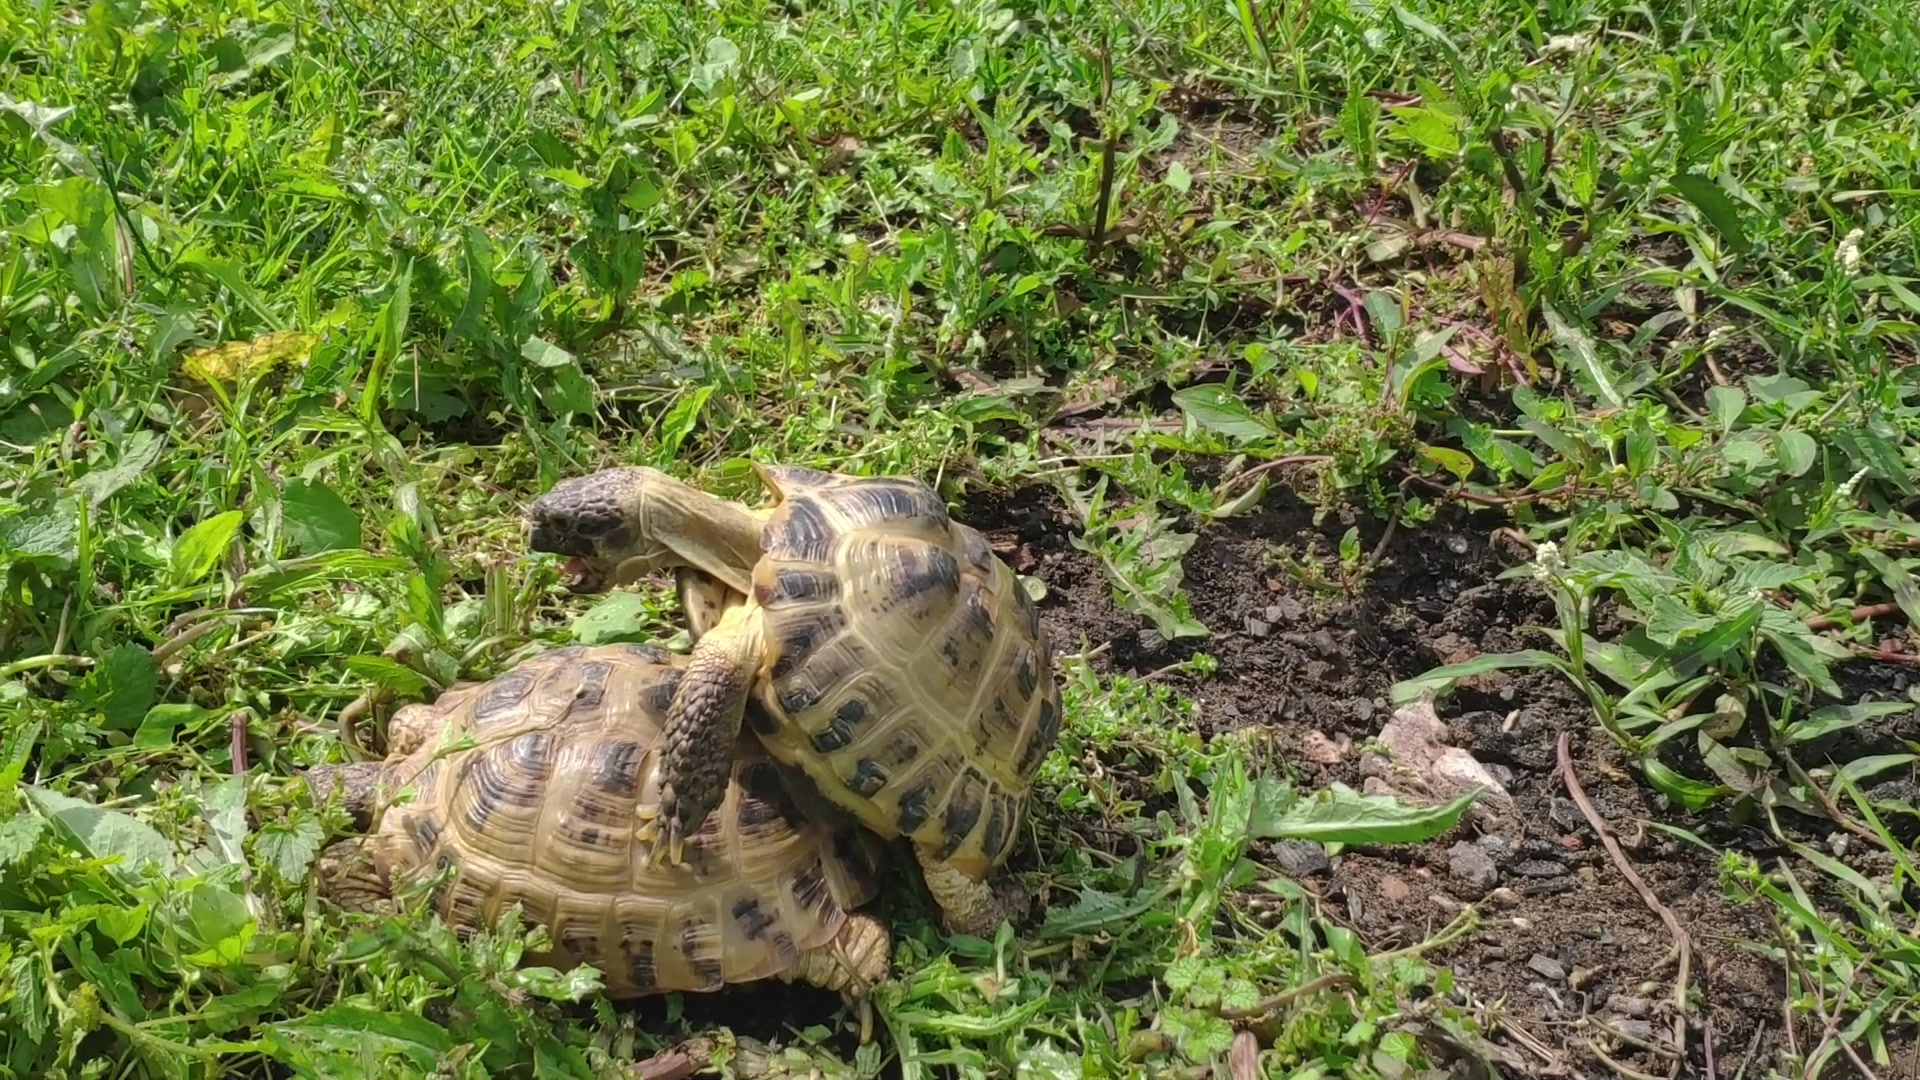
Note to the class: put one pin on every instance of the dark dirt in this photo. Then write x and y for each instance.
(1576, 939)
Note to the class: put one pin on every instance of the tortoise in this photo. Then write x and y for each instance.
(532, 787)
(897, 661)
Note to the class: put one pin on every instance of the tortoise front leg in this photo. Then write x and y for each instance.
(967, 906)
(702, 727)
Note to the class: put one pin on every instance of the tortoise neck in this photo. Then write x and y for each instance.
(722, 537)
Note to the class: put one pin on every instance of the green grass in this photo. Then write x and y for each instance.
(1641, 277)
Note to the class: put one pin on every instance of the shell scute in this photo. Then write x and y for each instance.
(541, 810)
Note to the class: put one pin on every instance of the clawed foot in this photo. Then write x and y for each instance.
(663, 832)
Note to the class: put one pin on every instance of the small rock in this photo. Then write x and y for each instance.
(1393, 890)
(1324, 644)
(1317, 748)
(1301, 858)
(1547, 968)
(1457, 544)
(1286, 610)
(1256, 628)
(1629, 1005)
(1640, 1030)
(1472, 867)
(1498, 846)
(1538, 868)
(1362, 709)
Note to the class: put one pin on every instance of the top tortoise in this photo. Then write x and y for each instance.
(900, 663)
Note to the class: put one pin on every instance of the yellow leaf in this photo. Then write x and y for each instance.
(230, 360)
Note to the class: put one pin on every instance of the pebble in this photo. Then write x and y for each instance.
(1538, 868)
(1498, 846)
(1256, 628)
(1473, 867)
(1547, 968)
(1393, 890)
(1286, 610)
(1301, 858)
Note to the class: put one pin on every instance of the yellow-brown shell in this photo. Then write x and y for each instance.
(528, 787)
(905, 668)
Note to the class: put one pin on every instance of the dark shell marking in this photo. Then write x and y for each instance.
(541, 811)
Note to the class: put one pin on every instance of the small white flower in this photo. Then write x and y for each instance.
(1849, 253)
(1546, 560)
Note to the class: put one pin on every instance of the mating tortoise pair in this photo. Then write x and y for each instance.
(897, 684)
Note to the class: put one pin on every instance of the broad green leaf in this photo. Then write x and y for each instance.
(142, 450)
(162, 721)
(1861, 768)
(17, 836)
(542, 353)
(1450, 460)
(1831, 718)
(1210, 406)
(1342, 815)
(1714, 204)
(1578, 348)
(387, 674)
(121, 686)
(106, 834)
(620, 616)
(1689, 793)
(1733, 630)
(1795, 451)
(682, 418)
(1441, 680)
(316, 519)
(44, 536)
(350, 1037)
(289, 848)
(1800, 656)
(1899, 581)
(198, 549)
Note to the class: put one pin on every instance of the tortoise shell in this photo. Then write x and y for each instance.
(905, 669)
(529, 788)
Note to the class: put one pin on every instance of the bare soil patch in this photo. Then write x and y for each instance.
(1310, 665)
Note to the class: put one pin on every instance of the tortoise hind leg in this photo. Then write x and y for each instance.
(967, 905)
(700, 731)
(858, 958)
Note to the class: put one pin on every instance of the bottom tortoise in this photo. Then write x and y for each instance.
(531, 788)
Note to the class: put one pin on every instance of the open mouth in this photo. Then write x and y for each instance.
(583, 575)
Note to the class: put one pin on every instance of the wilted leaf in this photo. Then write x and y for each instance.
(232, 360)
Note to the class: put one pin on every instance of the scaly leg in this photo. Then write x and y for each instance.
(966, 905)
(702, 725)
(858, 958)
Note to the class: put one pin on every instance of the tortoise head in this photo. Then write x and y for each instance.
(618, 525)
